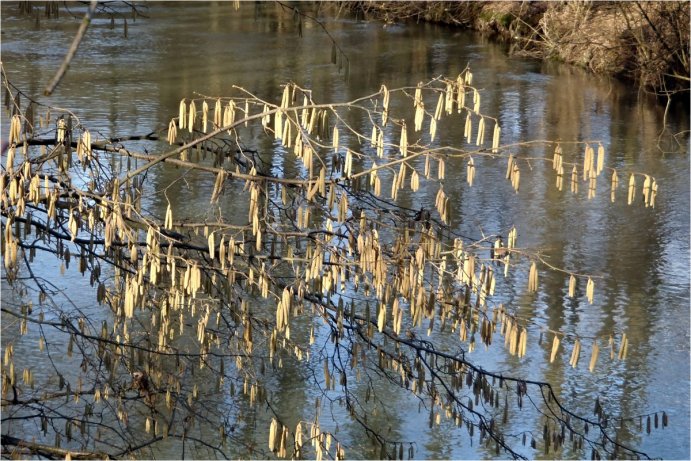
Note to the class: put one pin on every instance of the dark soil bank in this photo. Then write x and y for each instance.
(646, 42)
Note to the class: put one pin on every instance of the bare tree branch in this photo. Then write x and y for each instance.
(73, 49)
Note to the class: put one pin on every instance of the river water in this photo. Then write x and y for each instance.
(121, 85)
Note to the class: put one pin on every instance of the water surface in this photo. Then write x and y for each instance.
(121, 85)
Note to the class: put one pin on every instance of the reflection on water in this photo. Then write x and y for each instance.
(120, 86)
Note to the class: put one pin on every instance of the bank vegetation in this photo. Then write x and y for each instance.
(644, 42)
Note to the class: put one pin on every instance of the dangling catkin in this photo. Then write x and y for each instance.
(172, 132)
(404, 141)
(182, 114)
(394, 186)
(532, 278)
(572, 286)
(600, 158)
(229, 114)
(440, 107)
(622, 347)
(287, 137)
(419, 117)
(343, 208)
(513, 233)
(192, 116)
(402, 171)
(419, 107)
(322, 181)
(418, 95)
(212, 245)
(15, 129)
(556, 157)
(555, 348)
(560, 178)
(516, 177)
(523, 343)
(574, 180)
(348, 168)
(380, 145)
(86, 141)
(646, 191)
(592, 185)
(615, 184)
(495, 138)
(632, 188)
(432, 129)
(590, 290)
(313, 121)
(448, 98)
(468, 131)
(278, 123)
(218, 114)
(335, 139)
(593, 357)
(381, 320)
(414, 181)
(470, 171)
(480, 132)
(509, 166)
(385, 105)
(575, 354)
(304, 115)
(273, 429)
(169, 218)
(285, 99)
(205, 116)
(587, 161)
(460, 96)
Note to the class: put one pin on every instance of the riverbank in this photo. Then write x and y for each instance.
(643, 42)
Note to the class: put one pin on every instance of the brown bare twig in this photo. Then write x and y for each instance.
(73, 49)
